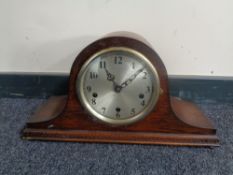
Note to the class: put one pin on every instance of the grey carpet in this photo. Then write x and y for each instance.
(35, 157)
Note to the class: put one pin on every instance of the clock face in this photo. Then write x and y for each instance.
(118, 86)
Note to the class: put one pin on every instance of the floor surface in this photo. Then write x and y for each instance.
(36, 157)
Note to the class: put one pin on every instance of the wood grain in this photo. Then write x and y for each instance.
(172, 121)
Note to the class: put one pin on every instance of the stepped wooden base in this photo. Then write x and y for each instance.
(45, 125)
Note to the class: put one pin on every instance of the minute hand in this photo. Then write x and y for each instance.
(131, 78)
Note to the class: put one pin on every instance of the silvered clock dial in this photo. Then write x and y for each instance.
(118, 86)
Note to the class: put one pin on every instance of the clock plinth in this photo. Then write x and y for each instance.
(171, 121)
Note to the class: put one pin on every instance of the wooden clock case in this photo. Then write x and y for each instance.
(172, 122)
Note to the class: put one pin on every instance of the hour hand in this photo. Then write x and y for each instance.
(110, 77)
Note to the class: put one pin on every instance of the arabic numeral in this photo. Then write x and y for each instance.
(93, 101)
(103, 110)
(102, 64)
(93, 75)
(89, 88)
(148, 89)
(118, 115)
(143, 103)
(118, 59)
(132, 111)
(133, 65)
(145, 75)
